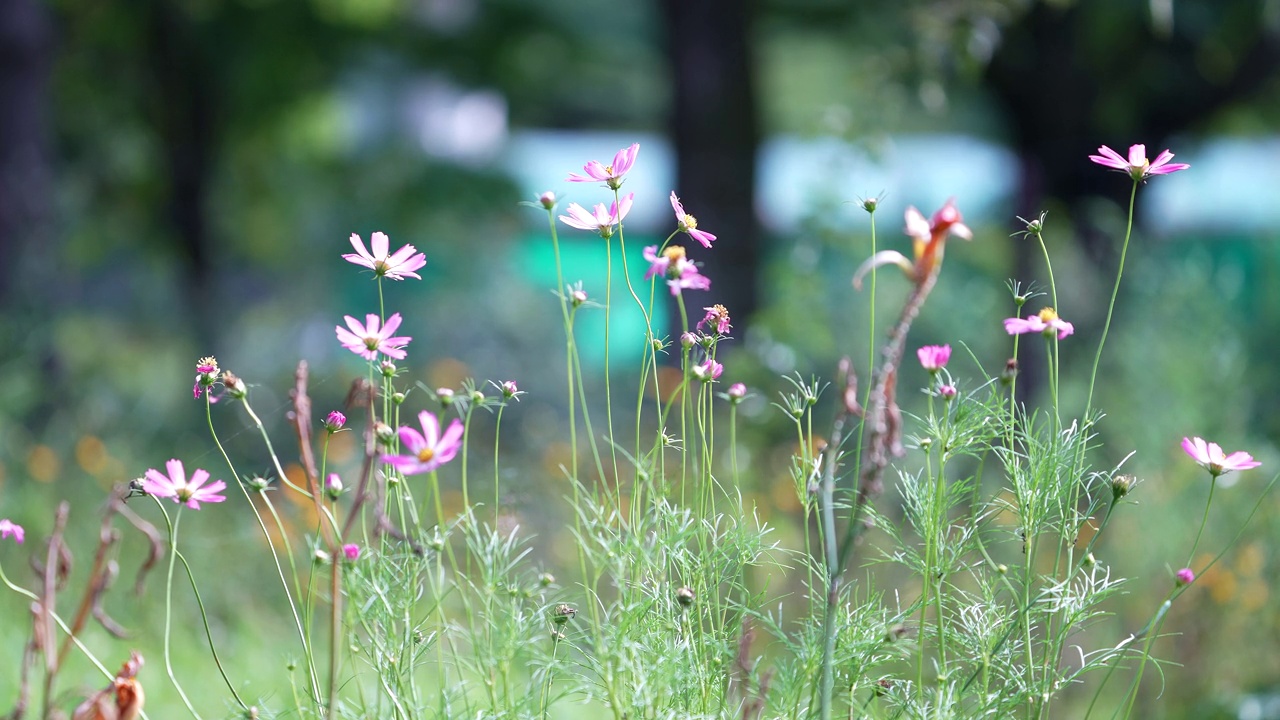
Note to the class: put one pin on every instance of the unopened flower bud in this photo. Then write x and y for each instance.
(578, 297)
(688, 340)
(564, 613)
(388, 368)
(547, 200)
(351, 551)
(1002, 569)
(1010, 371)
(870, 204)
(334, 421)
(510, 389)
(257, 483)
(333, 486)
(397, 398)
(321, 557)
(1185, 577)
(947, 391)
(477, 397)
(384, 432)
(685, 596)
(546, 579)
(1089, 560)
(234, 385)
(926, 443)
(737, 392)
(1121, 485)
(445, 396)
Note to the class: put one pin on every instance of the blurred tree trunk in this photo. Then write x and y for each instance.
(1065, 92)
(1047, 71)
(26, 59)
(183, 107)
(716, 130)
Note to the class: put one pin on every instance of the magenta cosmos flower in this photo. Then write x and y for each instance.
(708, 370)
(600, 220)
(1046, 322)
(689, 224)
(679, 271)
(1210, 456)
(1185, 576)
(934, 357)
(426, 450)
(397, 266)
(610, 175)
(351, 551)
(717, 317)
(8, 528)
(369, 339)
(175, 485)
(1137, 166)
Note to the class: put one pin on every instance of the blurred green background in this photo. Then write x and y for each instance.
(178, 178)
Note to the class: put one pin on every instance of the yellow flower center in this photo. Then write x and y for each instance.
(608, 169)
(371, 343)
(674, 253)
(690, 222)
(425, 454)
(1048, 315)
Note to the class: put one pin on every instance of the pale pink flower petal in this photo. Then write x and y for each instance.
(9, 528)
(175, 485)
(1213, 459)
(611, 175)
(428, 450)
(1137, 166)
(398, 266)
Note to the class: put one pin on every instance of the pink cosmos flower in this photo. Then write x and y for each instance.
(1137, 166)
(934, 357)
(8, 528)
(717, 317)
(175, 485)
(368, 340)
(426, 450)
(610, 175)
(547, 200)
(1185, 576)
(600, 220)
(351, 551)
(1047, 323)
(397, 266)
(206, 375)
(689, 224)
(334, 421)
(708, 370)
(928, 240)
(1211, 457)
(680, 272)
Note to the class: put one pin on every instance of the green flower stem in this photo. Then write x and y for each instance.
(562, 294)
(275, 554)
(208, 633)
(168, 604)
(1111, 307)
(466, 435)
(1213, 483)
(608, 349)
(1159, 619)
(497, 479)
